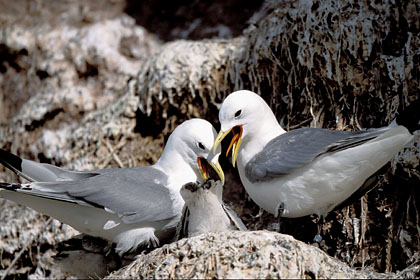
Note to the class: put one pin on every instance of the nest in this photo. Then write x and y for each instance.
(245, 255)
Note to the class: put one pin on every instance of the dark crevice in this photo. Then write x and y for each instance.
(9, 57)
(42, 74)
(192, 19)
(394, 42)
(38, 123)
(42, 158)
(89, 71)
(151, 125)
(309, 275)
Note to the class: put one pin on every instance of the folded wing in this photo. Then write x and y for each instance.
(294, 149)
(134, 194)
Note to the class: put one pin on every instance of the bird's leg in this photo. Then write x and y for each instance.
(319, 222)
(280, 211)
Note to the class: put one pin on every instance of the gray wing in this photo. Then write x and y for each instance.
(135, 194)
(296, 148)
(41, 172)
(234, 218)
(182, 226)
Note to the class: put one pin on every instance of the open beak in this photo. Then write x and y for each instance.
(205, 165)
(234, 144)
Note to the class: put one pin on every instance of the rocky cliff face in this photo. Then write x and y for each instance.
(84, 85)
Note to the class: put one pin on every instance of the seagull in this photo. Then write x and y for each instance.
(308, 170)
(130, 207)
(205, 211)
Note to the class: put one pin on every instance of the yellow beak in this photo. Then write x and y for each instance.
(219, 139)
(214, 163)
(234, 144)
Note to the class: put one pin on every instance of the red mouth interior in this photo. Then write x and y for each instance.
(237, 133)
(204, 165)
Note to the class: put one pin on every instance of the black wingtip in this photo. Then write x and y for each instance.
(410, 116)
(10, 161)
(10, 186)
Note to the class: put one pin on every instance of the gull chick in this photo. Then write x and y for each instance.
(130, 207)
(205, 211)
(308, 170)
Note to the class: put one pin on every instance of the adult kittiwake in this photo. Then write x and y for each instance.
(308, 170)
(127, 206)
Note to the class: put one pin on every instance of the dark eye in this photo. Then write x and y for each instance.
(238, 113)
(201, 146)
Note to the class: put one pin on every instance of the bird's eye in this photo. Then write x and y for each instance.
(238, 113)
(201, 146)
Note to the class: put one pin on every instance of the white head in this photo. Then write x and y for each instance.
(246, 114)
(192, 143)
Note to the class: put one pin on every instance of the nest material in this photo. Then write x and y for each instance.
(185, 79)
(243, 255)
(333, 62)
